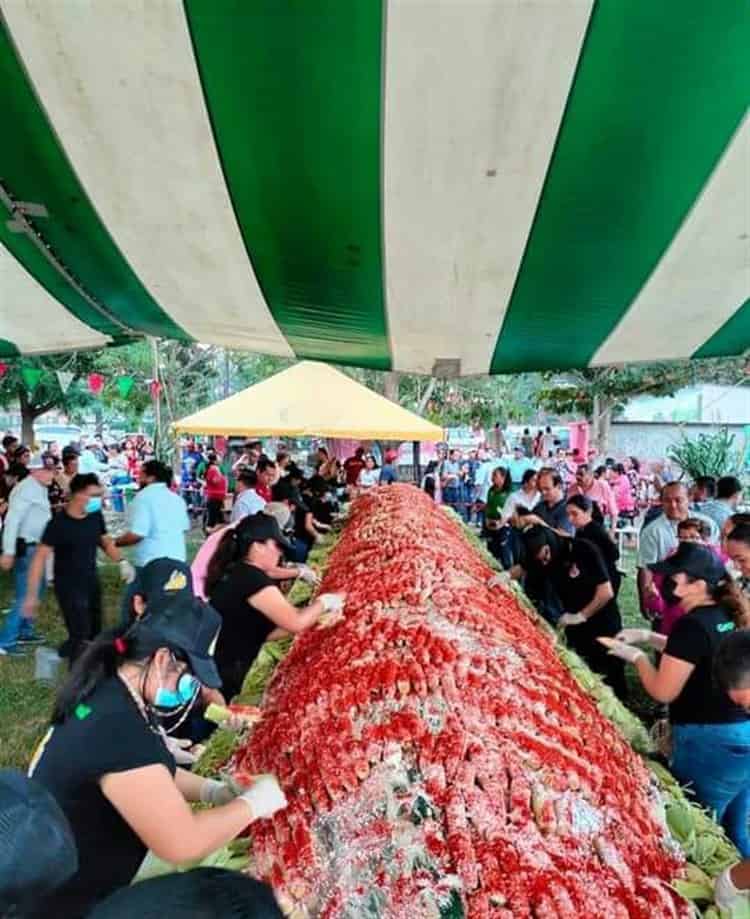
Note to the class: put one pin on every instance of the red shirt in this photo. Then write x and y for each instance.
(264, 491)
(352, 467)
(216, 484)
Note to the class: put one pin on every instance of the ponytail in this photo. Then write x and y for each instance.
(225, 555)
(100, 661)
(728, 594)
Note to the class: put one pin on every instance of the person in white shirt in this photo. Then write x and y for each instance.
(89, 461)
(247, 500)
(547, 445)
(370, 475)
(28, 515)
(527, 497)
(658, 539)
(157, 523)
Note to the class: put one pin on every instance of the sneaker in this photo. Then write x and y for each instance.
(31, 638)
(13, 651)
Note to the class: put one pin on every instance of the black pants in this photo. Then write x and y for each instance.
(81, 607)
(232, 675)
(582, 639)
(214, 512)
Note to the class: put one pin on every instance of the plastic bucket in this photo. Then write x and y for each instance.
(46, 665)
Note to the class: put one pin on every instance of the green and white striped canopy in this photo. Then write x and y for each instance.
(464, 186)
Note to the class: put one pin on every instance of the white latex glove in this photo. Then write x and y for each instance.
(217, 793)
(501, 579)
(619, 649)
(264, 797)
(307, 575)
(332, 603)
(728, 898)
(127, 572)
(180, 752)
(568, 619)
(642, 637)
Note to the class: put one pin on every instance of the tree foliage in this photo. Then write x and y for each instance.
(47, 394)
(600, 393)
(707, 454)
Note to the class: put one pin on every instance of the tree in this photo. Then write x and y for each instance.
(47, 393)
(599, 393)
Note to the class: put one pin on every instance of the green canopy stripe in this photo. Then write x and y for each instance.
(8, 349)
(659, 91)
(731, 338)
(34, 168)
(294, 93)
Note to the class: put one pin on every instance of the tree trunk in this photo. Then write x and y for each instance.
(605, 427)
(391, 385)
(27, 424)
(424, 399)
(27, 416)
(594, 423)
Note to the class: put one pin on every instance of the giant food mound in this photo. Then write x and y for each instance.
(438, 758)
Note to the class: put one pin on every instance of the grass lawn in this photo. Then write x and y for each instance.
(25, 705)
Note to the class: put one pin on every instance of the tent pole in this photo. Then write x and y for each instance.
(415, 461)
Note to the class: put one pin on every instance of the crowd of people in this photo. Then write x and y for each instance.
(188, 633)
(553, 523)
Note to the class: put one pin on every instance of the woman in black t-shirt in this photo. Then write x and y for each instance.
(105, 759)
(252, 608)
(580, 511)
(710, 731)
(578, 574)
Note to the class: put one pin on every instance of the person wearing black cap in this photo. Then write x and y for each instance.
(710, 730)
(578, 574)
(203, 893)
(105, 760)
(37, 849)
(241, 586)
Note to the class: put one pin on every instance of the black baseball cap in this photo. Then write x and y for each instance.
(694, 560)
(37, 850)
(260, 527)
(203, 893)
(187, 626)
(163, 580)
(70, 452)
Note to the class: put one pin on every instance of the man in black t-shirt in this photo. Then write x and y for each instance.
(74, 535)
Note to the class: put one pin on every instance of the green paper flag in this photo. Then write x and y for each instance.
(124, 385)
(31, 377)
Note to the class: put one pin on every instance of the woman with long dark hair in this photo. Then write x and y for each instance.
(580, 510)
(710, 731)
(253, 610)
(106, 762)
(496, 528)
(578, 573)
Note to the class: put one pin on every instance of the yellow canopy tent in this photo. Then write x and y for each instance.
(310, 399)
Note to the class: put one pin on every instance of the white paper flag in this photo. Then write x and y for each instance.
(64, 378)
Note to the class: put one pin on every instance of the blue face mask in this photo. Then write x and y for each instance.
(187, 689)
(93, 505)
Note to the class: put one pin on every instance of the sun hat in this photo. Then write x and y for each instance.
(37, 850)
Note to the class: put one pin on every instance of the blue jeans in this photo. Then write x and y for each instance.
(715, 760)
(451, 496)
(17, 625)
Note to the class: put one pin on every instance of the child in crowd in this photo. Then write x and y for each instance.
(659, 601)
